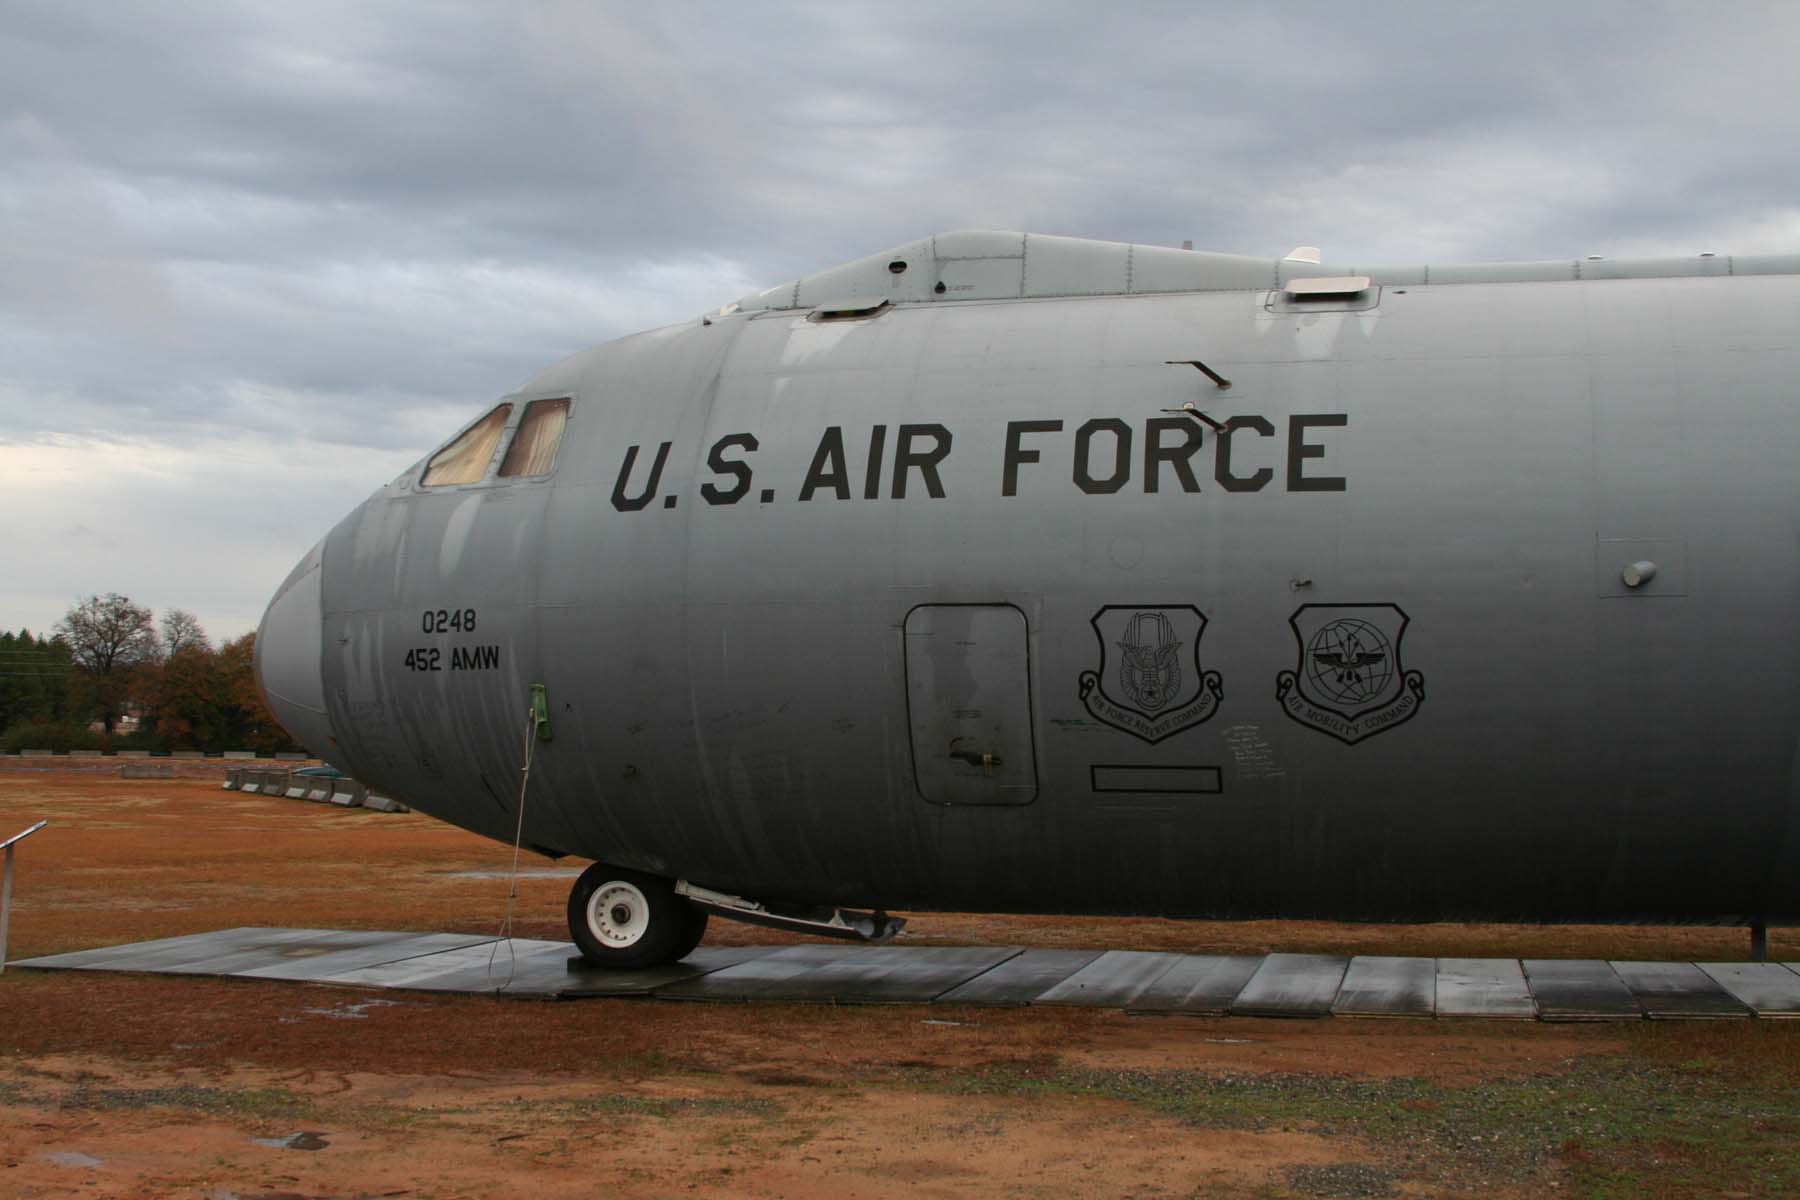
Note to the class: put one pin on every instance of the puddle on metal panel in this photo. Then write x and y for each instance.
(350, 1010)
(308, 1139)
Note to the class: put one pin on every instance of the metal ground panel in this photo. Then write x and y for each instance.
(222, 953)
(1385, 986)
(1111, 981)
(413, 972)
(118, 958)
(1670, 990)
(532, 968)
(1579, 989)
(279, 945)
(328, 964)
(900, 975)
(886, 975)
(1198, 985)
(823, 980)
(586, 980)
(1292, 985)
(515, 967)
(467, 959)
(843, 973)
(1484, 987)
(1020, 979)
(1769, 989)
(756, 979)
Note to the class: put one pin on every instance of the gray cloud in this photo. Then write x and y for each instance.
(312, 239)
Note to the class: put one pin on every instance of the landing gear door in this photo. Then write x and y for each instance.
(968, 695)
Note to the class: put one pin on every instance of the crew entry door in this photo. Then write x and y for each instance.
(968, 697)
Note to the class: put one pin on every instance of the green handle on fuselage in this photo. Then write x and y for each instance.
(540, 711)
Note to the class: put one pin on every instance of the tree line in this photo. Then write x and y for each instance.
(111, 675)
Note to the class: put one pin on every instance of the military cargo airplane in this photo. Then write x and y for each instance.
(1007, 572)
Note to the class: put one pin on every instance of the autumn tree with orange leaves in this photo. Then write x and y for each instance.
(107, 660)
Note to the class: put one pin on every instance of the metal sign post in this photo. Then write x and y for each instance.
(6, 885)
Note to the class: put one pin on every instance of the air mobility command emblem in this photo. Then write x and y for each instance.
(1349, 681)
(1150, 683)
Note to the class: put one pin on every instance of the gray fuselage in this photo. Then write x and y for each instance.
(1033, 642)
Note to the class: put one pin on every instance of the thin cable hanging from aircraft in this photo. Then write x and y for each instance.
(512, 887)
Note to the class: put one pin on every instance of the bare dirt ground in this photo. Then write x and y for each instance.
(128, 1086)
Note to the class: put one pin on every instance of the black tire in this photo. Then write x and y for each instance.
(624, 918)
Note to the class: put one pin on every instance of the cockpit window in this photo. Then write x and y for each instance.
(533, 449)
(465, 460)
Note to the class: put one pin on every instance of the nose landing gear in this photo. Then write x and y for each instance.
(624, 918)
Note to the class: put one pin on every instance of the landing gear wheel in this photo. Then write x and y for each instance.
(622, 918)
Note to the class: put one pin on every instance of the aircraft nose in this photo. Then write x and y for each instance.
(288, 651)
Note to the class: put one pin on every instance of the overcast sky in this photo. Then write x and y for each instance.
(257, 258)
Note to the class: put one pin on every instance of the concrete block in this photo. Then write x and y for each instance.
(85, 753)
(132, 754)
(187, 754)
(319, 790)
(292, 756)
(382, 803)
(347, 793)
(147, 771)
(36, 753)
(296, 791)
(238, 754)
(233, 780)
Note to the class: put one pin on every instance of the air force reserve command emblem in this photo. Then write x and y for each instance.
(1150, 683)
(1349, 682)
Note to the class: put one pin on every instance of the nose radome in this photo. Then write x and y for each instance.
(288, 650)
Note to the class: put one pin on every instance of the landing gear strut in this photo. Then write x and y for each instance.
(624, 918)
